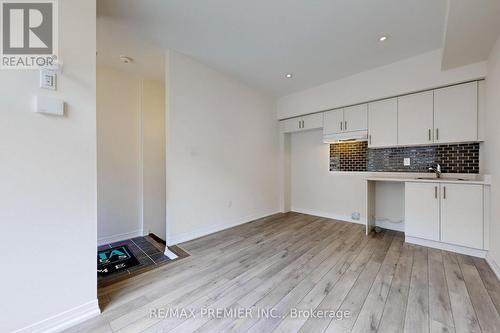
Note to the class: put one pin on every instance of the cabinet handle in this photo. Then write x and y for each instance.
(303, 124)
(341, 126)
(435, 192)
(345, 125)
(429, 134)
(437, 134)
(370, 139)
(444, 192)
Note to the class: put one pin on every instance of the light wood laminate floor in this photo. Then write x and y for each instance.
(297, 261)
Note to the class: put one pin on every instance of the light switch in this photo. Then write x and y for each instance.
(406, 161)
(49, 105)
(48, 79)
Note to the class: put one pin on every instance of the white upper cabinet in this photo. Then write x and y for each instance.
(356, 118)
(415, 119)
(455, 113)
(291, 125)
(353, 118)
(312, 121)
(333, 122)
(447, 115)
(383, 123)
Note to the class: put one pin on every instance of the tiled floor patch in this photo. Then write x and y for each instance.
(148, 252)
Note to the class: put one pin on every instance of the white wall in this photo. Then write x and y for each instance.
(153, 120)
(413, 74)
(118, 155)
(131, 158)
(222, 151)
(492, 147)
(48, 186)
(317, 191)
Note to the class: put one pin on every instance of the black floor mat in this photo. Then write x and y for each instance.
(115, 259)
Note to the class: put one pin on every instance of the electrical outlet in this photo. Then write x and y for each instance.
(406, 161)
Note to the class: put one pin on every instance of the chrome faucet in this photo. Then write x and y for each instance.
(436, 170)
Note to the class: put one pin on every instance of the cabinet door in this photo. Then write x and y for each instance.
(415, 118)
(455, 113)
(422, 210)
(356, 118)
(291, 125)
(312, 121)
(333, 122)
(462, 215)
(383, 123)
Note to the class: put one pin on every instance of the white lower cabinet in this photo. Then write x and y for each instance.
(422, 210)
(462, 215)
(448, 213)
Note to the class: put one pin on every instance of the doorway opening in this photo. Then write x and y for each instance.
(131, 166)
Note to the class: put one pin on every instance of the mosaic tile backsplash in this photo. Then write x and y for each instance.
(349, 156)
(356, 156)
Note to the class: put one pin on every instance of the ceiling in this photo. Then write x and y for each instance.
(259, 41)
(116, 38)
(471, 32)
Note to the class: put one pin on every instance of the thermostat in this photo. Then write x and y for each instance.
(49, 105)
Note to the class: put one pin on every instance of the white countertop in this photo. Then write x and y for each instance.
(451, 180)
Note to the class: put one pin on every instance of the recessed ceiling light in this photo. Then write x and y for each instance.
(126, 59)
(289, 75)
(382, 38)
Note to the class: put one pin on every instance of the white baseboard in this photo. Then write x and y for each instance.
(64, 319)
(447, 247)
(345, 218)
(119, 237)
(187, 236)
(327, 215)
(493, 265)
(390, 226)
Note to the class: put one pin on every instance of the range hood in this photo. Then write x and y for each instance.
(346, 136)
